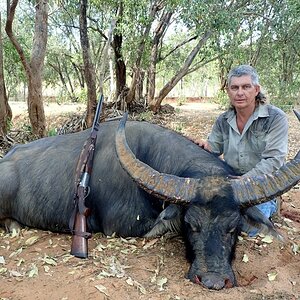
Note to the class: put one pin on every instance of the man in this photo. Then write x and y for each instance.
(252, 135)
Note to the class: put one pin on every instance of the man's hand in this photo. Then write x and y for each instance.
(202, 143)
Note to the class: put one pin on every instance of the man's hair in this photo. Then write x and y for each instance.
(243, 70)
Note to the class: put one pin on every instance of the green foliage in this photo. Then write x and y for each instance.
(180, 101)
(222, 99)
(178, 126)
(52, 132)
(63, 97)
(82, 96)
(9, 124)
(262, 33)
(145, 116)
(27, 128)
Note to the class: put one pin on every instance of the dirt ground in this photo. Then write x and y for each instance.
(38, 265)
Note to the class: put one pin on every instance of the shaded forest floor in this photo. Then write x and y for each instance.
(37, 264)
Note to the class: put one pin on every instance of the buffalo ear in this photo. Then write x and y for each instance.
(169, 220)
(254, 219)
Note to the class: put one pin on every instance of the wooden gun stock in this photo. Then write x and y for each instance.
(79, 246)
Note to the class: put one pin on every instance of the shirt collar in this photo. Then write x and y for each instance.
(261, 111)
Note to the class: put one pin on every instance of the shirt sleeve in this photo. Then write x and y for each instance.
(274, 154)
(215, 138)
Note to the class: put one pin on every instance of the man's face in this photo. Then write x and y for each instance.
(242, 92)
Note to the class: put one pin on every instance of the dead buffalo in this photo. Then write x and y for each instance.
(145, 184)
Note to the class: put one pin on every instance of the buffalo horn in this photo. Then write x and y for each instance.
(165, 186)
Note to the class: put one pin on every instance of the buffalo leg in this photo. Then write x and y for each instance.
(11, 226)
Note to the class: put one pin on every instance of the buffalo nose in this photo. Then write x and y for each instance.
(213, 282)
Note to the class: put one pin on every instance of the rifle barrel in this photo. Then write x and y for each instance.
(97, 114)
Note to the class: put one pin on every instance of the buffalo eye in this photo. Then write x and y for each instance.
(192, 223)
(195, 227)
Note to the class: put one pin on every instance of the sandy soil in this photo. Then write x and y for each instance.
(37, 264)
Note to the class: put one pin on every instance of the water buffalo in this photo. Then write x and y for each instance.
(145, 183)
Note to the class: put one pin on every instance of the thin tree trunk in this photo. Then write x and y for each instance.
(159, 31)
(111, 76)
(137, 67)
(119, 65)
(140, 87)
(34, 68)
(70, 82)
(104, 60)
(79, 73)
(89, 70)
(155, 104)
(5, 111)
(58, 69)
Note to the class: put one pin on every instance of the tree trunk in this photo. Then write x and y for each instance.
(112, 84)
(105, 55)
(89, 70)
(5, 111)
(34, 68)
(120, 66)
(139, 88)
(155, 104)
(224, 67)
(159, 31)
(137, 67)
(60, 70)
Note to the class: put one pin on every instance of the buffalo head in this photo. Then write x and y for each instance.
(211, 209)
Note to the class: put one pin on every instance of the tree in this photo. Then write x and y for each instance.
(33, 67)
(5, 111)
(120, 66)
(159, 32)
(154, 8)
(155, 104)
(157, 44)
(89, 70)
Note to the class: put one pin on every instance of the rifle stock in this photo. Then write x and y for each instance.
(79, 246)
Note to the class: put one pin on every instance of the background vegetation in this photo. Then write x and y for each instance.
(139, 52)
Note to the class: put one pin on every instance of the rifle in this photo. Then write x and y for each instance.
(84, 167)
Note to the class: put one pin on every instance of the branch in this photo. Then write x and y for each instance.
(178, 46)
(200, 64)
(11, 9)
(97, 28)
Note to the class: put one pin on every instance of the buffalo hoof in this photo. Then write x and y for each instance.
(12, 226)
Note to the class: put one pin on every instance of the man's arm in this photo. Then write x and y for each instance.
(274, 154)
(215, 142)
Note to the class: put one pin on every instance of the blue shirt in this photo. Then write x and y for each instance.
(262, 146)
